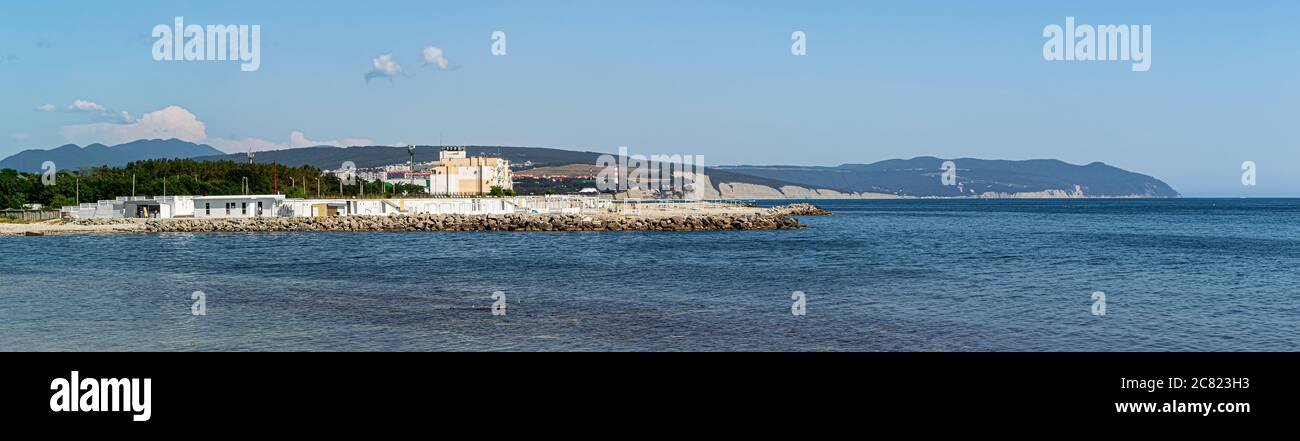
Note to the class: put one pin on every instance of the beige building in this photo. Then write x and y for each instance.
(454, 173)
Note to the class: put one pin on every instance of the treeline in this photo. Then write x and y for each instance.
(179, 177)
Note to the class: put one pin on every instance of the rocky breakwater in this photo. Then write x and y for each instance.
(753, 220)
(799, 210)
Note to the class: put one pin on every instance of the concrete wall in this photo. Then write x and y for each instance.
(206, 207)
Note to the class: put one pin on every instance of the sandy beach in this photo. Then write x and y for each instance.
(57, 227)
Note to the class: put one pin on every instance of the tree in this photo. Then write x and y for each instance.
(60, 201)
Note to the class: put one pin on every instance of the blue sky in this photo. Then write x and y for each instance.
(881, 80)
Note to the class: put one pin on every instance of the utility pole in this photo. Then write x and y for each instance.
(318, 186)
(132, 185)
(78, 189)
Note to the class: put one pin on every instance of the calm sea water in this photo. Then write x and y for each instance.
(1178, 275)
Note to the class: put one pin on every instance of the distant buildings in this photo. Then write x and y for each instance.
(453, 174)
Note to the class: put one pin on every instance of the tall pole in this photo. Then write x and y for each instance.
(78, 190)
(132, 184)
(275, 181)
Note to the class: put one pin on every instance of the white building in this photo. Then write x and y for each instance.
(237, 206)
(225, 207)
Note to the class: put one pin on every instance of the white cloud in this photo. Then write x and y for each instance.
(298, 139)
(171, 122)
(433, 56)
(384, 67)
(177, 122)
(242, 145)
(100, 112)
(82, 106)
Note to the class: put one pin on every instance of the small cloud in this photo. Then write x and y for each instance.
(84, 106)
(433, 56)
(384, 67)
(44, 43)
(100, 112)
(20, 136)
(297, 139)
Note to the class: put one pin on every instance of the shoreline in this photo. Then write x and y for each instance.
(686, 218)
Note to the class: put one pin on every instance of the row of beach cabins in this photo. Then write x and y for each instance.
(225, 207)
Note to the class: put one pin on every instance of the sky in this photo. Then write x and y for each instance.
(879, 80)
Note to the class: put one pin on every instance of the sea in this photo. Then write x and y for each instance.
(877, 275)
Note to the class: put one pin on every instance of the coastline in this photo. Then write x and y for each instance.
(678, 217)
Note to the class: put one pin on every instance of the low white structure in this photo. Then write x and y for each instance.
(237, 206)
(224, 207)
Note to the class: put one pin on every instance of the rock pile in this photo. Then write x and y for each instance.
(799, 210)
(453, 222)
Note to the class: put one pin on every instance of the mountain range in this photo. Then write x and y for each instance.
(916, 177)
(73, 157)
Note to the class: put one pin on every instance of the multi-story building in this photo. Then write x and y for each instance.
(454, 173)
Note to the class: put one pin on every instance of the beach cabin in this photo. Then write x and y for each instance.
(221, 207)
